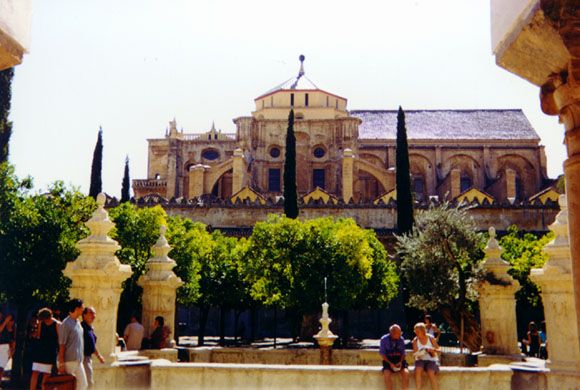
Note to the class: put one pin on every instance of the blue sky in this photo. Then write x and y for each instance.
(131, 66)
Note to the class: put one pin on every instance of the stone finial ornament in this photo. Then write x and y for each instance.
(97, 275)
(494, 263)
(159, 285)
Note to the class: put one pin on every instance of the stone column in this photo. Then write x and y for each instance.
(455, 183)
(238, 171)
(159, 287)
(510, 185)
(347, 174)
(497, 303)
(555, 281)
(196, 180)
(539, 41)
(97, 275)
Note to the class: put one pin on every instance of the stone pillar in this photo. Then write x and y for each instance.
(539, 41)
(97, 275)
(196, 180)
(159, 287)
(497, 303)
(455, 183)
(562, 96)
(555, 281)
(347, 174)
(238, 171)
(510, 184)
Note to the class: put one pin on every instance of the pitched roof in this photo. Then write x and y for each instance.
(447, 124)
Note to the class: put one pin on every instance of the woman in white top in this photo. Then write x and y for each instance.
(425, 350)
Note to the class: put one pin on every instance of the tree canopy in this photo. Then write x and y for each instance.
(441, 263)
(403, 176)
(290, 192)
(96, 168)
(287, 260)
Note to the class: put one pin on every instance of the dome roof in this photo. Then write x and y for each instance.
(299, 82)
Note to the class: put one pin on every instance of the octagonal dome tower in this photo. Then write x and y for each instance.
(300, 93)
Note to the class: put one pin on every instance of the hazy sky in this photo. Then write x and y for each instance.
(131, 66)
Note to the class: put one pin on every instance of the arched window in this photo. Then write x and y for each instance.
(419, 187)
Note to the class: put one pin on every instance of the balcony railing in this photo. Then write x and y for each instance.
(149, 183)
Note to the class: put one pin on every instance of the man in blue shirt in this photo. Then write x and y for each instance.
(392, 350)
(90, 343)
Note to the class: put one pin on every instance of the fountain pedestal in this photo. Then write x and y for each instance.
(325, 338)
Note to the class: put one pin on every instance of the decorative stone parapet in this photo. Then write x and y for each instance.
(97, 275)
(159, 286)
(557, 289)
(497, 304)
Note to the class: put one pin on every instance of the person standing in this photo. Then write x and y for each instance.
(431, 327)
(46, 346)
(7, 341)
(133, 334)
(71, 348)
(392, 351)
(90, 343)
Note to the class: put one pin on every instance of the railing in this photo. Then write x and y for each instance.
(200, 137)
(143, 183)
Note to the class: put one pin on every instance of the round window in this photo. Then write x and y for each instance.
(210, 154)
(275, 152)
(319, 152)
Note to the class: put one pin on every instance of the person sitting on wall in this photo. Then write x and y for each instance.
(160, 334)
(392, 351)
(425, 350)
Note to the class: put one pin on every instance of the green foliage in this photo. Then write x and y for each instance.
(38, 233)
(97, 167)
(5, 125)
(126, 185)
(290, 191)
(136, 230)
(220, 283)
(286, 261)
(441, 259)
(403, 176)
(524, 251)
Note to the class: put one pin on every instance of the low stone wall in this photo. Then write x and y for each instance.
(298, 356)
(311, 356)
(167, 375)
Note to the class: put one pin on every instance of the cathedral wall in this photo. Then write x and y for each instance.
(526, 218)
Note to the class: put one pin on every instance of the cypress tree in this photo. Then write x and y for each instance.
(97, 167)
(125, 190)
(5, 125)
(290, 195)
(404, 196)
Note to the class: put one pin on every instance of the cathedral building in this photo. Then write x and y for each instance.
(346, 162)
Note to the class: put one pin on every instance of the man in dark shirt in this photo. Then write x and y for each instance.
(90, 343)
(392, 350)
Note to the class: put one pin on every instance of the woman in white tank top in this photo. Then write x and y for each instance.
(425, 350)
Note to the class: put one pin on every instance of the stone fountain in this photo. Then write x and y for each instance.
(325, 337)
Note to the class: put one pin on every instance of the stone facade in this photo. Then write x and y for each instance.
(15, 20)
(349, 154)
